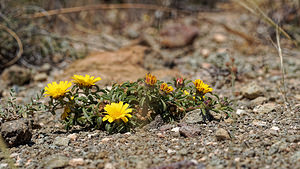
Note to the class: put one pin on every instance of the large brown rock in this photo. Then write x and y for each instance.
(178, 35)
(114, 67)
(16, 75)
(16, 132)
(252, 90)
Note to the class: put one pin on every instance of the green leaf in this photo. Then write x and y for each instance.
(142, 101)
(164, 105)
(85, 113)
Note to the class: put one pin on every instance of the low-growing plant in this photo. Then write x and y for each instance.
(127, 105)
(12, 110)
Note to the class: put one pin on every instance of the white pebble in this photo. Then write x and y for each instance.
(76, 162)
(275, 128)
(176, 129)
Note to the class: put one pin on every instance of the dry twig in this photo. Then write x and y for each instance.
(252, 7)
(281, 65)
(103, 6)
(16, 37)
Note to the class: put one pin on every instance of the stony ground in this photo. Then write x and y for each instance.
(264, 131)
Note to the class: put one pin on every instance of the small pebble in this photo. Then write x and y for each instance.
(76, 162)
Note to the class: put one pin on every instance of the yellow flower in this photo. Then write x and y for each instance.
(202, 87)
(186, 92)
(116, 111)
(57, 90)
(86, 80)
(164, 87)
(150, 79)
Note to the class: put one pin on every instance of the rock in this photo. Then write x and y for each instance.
(175, 129)
(61, 141)
(109, 166)
(175, 132)
(160, 135)
(276, 147)
(205, 52)
(40, 77)
(229, 121)
(2, 88)
(166, 127)
(193, 117)
(13, 155)
(104, 140)
(296, 157)
(46, 68)
(178, 35)
(252, 91)
(216, 116)
(259, 123)
(188, 131)
(240, 112)
(133, 31)
(275, 128)
(76, 162)
(219, 38)
(155, 124)
(181, 164)
(258, 101)
(222, 134)
(266, 108)
(183, 151)
(55, 161)
(271, 132)
(72, 137)
(16, 75)
(129, 61)
(3, 165)
(293, 139)
(16, 132)
(297, 97)
(170, 151)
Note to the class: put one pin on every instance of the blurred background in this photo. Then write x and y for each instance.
(51, 38)
(191, 38)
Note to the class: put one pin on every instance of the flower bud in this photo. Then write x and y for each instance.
(179, 82)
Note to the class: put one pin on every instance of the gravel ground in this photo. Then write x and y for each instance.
(269, 140)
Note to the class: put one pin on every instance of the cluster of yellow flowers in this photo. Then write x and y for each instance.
(113, 111)
(58, 90)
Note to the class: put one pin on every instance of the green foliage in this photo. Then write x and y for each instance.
(85, 106)
(12, 110)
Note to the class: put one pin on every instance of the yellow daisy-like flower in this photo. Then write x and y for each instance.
(186, 92)
(57, 90)
(164, 87)
(86, 80)
(150, 79)
(202, 87)
(116, 111)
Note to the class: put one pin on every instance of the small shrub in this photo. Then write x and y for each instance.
(127, 105)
